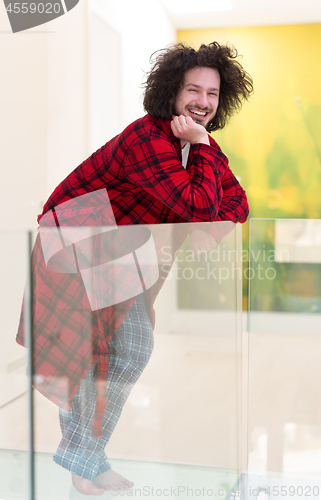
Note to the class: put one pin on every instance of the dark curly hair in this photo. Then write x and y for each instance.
(166, 77)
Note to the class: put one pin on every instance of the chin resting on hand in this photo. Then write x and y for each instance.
(184, 128)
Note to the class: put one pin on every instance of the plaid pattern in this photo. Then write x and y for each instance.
(142, 171)
(147, 184)
(129, 352)
(68, 337)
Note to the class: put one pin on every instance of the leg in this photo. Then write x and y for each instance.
(130, 350)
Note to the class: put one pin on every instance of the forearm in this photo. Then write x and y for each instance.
(195, 193)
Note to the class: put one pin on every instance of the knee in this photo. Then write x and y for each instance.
(144, 358)
(139, 353)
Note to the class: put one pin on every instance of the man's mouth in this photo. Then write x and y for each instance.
(197, 112)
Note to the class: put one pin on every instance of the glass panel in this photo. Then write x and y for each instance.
(284, 354)
(98, 292)
(15, 445)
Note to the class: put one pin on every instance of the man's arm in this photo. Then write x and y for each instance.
(233, 206)
(194, 194)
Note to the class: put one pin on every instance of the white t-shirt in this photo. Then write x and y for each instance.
(185, 153)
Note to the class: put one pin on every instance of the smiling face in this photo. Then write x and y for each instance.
(199, 95)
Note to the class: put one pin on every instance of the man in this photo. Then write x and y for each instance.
(163, 168)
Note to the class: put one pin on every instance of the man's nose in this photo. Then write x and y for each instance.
(202, 100)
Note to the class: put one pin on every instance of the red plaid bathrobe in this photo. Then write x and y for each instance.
(141, 169)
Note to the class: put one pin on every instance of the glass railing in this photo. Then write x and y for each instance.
(284, 369)
(15, 389)
(97, 294)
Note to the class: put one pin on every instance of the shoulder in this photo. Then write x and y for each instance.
(214, 144)
(148, 128)
(218, 152)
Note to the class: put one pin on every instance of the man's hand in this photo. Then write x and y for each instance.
(202, 241)
(184, 128)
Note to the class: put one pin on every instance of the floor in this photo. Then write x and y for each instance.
(180, 424)
(152, 479)
(159, 413)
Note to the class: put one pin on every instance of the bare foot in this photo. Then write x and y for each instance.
(85, 486)
(110, 480)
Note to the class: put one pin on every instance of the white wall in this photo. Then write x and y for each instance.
(95, 64)
(49, 95)
(105, 85)
(22, 125)
(23, 182)
(67, 124)
(66, 87)
(144, 28)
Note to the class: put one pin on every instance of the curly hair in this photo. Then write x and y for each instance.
(166, 78)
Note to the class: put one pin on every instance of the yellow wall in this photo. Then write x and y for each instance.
(273, 144)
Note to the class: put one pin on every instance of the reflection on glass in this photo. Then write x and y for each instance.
(134, 315)
(284, 348)
(14, 390)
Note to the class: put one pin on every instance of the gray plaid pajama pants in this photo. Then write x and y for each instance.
(129, 353)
